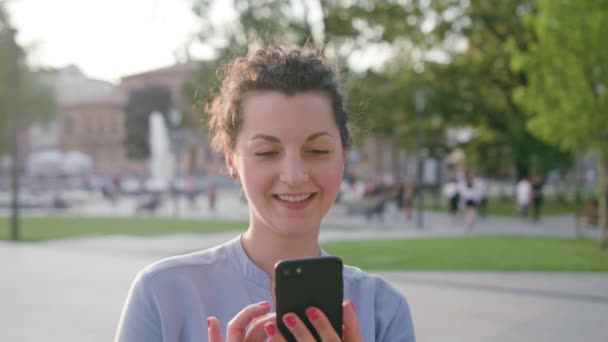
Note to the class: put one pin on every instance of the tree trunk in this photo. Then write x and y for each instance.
(601, 183)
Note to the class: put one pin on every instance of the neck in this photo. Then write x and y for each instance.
(266, 248)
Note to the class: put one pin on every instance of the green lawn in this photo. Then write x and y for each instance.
(54, 227)
(475, 253)
(463, 253)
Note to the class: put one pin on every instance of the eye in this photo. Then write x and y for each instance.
(266, 153)
(319, 151)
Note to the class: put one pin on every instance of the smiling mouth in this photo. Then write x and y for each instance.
(295, 198)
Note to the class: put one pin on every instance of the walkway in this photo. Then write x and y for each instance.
(73, 289)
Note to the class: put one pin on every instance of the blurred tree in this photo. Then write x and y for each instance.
(259, 21)
(36, 102)
(458, 51)
(464, 49)
(264, 21)
(567, 79)
(142, 102)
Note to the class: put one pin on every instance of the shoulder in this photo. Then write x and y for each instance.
(382, 310)
(368, 284)
(202, 264)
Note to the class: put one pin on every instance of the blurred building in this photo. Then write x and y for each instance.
(191, 143)
(92, 120)
(69, 86)
(174, 77)
(96, 128)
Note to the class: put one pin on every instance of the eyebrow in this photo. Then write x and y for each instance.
(274, 139)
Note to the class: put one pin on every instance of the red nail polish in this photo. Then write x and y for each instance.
(270, 329)
(290, 320)
(352, 304)
(208, 322)
(312, 313)
(264, 304)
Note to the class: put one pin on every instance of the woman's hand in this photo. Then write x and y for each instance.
(254, 316)
(350, 328)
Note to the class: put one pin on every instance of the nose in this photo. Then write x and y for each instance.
(294, 170)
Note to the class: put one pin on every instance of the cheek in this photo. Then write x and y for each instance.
(331, 176)
(257, 177)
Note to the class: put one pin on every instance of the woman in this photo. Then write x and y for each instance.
(469, 191)
(280, 120)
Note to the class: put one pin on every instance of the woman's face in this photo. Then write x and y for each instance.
(289, 159)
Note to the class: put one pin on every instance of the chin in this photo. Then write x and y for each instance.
(294, 228)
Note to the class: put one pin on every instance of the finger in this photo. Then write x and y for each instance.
(272, 332)
(237, 327)
(256, 332)
(351, 331)
(214, 333)
(297, 328)
(322, 325)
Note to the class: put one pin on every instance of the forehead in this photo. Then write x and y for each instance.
(287, 116)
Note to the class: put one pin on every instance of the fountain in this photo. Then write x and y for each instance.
(161, 159)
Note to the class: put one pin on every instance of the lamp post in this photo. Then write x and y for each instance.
(14, 107)
(419, 101)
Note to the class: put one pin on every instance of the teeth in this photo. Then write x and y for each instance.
(294, 198)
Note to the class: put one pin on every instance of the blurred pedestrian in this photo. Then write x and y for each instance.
(399, 194)
(537, 196)
(117, 184)
(523, 194)
(408, 198)
(404, 197)
(482, 189)
(212, 196)
(191, 190)
(450, 191)
(469, 192)
(108, 193)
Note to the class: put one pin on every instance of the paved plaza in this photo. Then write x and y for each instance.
(74, 289)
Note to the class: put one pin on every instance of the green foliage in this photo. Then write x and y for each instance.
(568, 75)
(256, 21)
(263, 21)
(471, 86)
(35, 102)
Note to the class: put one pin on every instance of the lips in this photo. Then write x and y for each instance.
(295, 198)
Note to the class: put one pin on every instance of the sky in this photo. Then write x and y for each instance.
(106, 39)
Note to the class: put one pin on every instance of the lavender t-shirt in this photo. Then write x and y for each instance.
(170, 300)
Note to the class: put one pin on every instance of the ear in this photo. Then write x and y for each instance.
(230, 164)
(229, 158)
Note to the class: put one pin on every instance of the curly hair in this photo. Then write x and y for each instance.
(277, 67)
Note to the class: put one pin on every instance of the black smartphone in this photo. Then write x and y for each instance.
(301, 283)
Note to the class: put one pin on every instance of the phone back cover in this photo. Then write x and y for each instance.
(319, 285)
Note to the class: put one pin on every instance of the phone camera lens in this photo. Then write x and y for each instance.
(298, 270)
(287, 272)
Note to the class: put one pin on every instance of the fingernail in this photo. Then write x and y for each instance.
(263, 304)
(270, 329)
(312, 313)
(290, 320)
(352, 304)
(208, 322)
